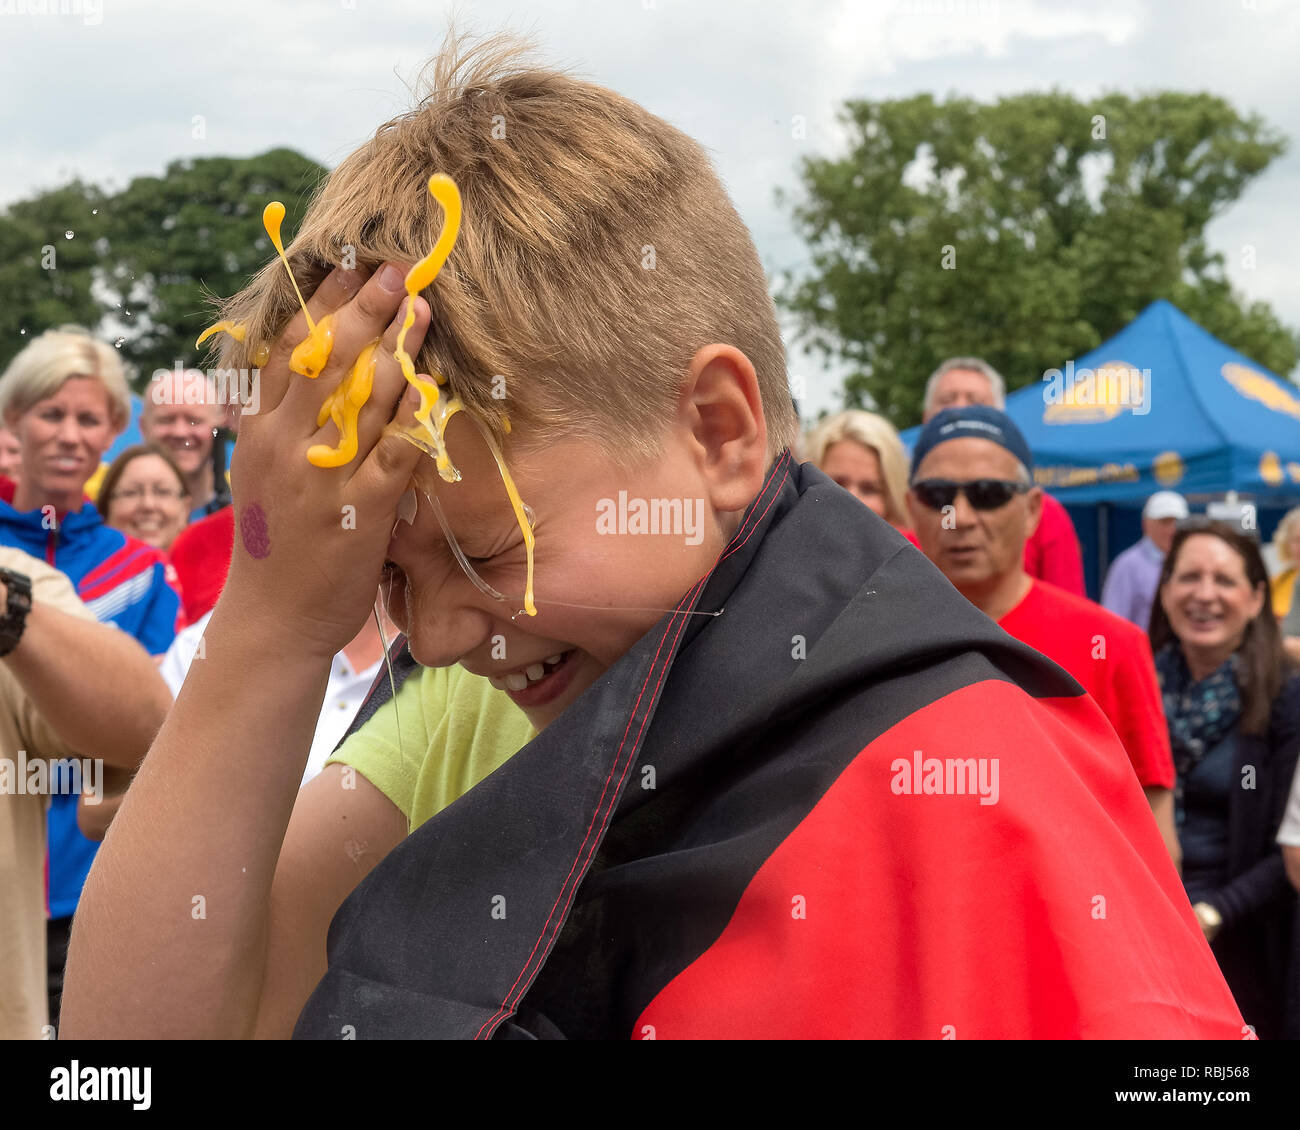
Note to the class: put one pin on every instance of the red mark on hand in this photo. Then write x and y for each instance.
(252, 528)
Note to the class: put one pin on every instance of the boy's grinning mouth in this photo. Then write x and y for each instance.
(530, 675)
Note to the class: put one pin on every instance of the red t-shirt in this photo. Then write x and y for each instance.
(1053, 553)
(201, 555)
(1111, 659)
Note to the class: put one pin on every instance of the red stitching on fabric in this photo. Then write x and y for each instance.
(645, 719)
(752, 513)
(775, 494)
(599, 803)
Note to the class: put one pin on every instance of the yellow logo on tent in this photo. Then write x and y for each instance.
(1270, 468)
(1256, 386)
(1093, 396)
(1168, 468)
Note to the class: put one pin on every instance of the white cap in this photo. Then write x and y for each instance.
(1165, 504)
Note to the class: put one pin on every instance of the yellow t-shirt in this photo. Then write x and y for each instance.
(450, 729)
(1283, 586)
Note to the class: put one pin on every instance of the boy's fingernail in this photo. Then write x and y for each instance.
(350, 279)
(392, 280)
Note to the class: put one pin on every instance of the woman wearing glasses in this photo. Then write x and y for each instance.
(1233, 705)
(144, 495)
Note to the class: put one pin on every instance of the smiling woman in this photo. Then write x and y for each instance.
(1232, 702)
(143, 494)
(65, 397)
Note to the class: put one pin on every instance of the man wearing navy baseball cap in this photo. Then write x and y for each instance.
(974, 505)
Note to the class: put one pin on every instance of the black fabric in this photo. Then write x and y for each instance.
(58, 932)
(1202, 797)
(833, 628)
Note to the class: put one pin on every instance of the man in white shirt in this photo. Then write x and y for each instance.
(353, 670)
(351, 674)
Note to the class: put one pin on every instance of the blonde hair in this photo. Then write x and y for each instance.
(1282, 535)
(599, 252)
(41, 369)
(876, 434)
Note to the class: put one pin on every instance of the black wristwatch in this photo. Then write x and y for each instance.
(13, 622)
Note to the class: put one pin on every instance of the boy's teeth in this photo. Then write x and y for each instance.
(516, 681)
(556, 658)
(535, 672)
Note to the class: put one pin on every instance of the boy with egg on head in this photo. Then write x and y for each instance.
(715, 716)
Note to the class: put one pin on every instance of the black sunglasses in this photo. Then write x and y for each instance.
(982, 494)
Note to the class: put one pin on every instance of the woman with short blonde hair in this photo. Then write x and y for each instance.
(862, 453)
(40, 370)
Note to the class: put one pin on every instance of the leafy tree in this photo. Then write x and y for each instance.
(45, 277)
(1025, 231)
(195, 232)
(143, 263)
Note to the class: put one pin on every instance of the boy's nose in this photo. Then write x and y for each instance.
(444, 631)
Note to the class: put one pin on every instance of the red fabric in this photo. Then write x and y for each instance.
(911, 536)
(1053, 553)
(1053, 913)
(201, 556)
(1111, 659)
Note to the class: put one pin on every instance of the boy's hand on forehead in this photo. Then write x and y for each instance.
(310, 541)
(336, 289)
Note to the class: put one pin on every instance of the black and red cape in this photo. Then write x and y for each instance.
(719, 839)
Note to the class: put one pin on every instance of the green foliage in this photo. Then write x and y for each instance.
(151, 258)
(45, 278)
(1060, 220)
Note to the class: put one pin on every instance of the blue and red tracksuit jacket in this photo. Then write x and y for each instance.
(123, 582)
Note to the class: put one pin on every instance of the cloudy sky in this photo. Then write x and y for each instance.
(110, 89)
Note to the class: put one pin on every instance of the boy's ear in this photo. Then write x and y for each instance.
(722, 411)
